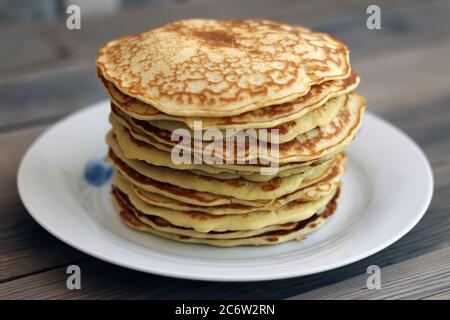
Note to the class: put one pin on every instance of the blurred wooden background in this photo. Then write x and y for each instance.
(48, 71)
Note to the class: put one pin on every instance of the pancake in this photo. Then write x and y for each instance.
(314, 144)
(135, 150)
(308, 193)
(267, 117)
(203, 222)
(293, 231)
(284, 132)
(221, 68)
(161, 224)
(191, 196)
(236, 188)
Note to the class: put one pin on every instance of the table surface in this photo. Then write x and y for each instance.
(47, 71)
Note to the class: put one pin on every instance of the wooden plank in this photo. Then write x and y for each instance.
(416, 278)
(50, 96)
(439, 296)
(24, 246)
(97, 280)
(394, 82)
(12, 147)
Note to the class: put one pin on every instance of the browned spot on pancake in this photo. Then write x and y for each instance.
(161, 222)
(173, 27)
(231, 182)
(235, 183)
(312, 225)
(216, 38)
(129, 218)
(351, 79)
(272, 239)
(125, 212)
(315, 164)
(293, 204)
(300, 225)
(332, 205)
(285, 127)
(288, 225)
(271, 185)
(183, 237)
(286, 146)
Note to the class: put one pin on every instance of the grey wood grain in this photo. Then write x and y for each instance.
(438, 296)
(411, 279)
(47, 97)
(24, 246)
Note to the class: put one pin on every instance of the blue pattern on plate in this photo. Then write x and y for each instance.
(98, 172)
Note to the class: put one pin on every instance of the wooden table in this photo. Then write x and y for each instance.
(47, 71)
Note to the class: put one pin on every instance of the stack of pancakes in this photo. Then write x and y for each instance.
(177, 91)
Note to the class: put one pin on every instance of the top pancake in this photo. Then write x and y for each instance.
(221, 68)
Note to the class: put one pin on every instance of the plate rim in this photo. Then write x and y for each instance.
(217, 277)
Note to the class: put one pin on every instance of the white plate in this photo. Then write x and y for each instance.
(386, 190)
